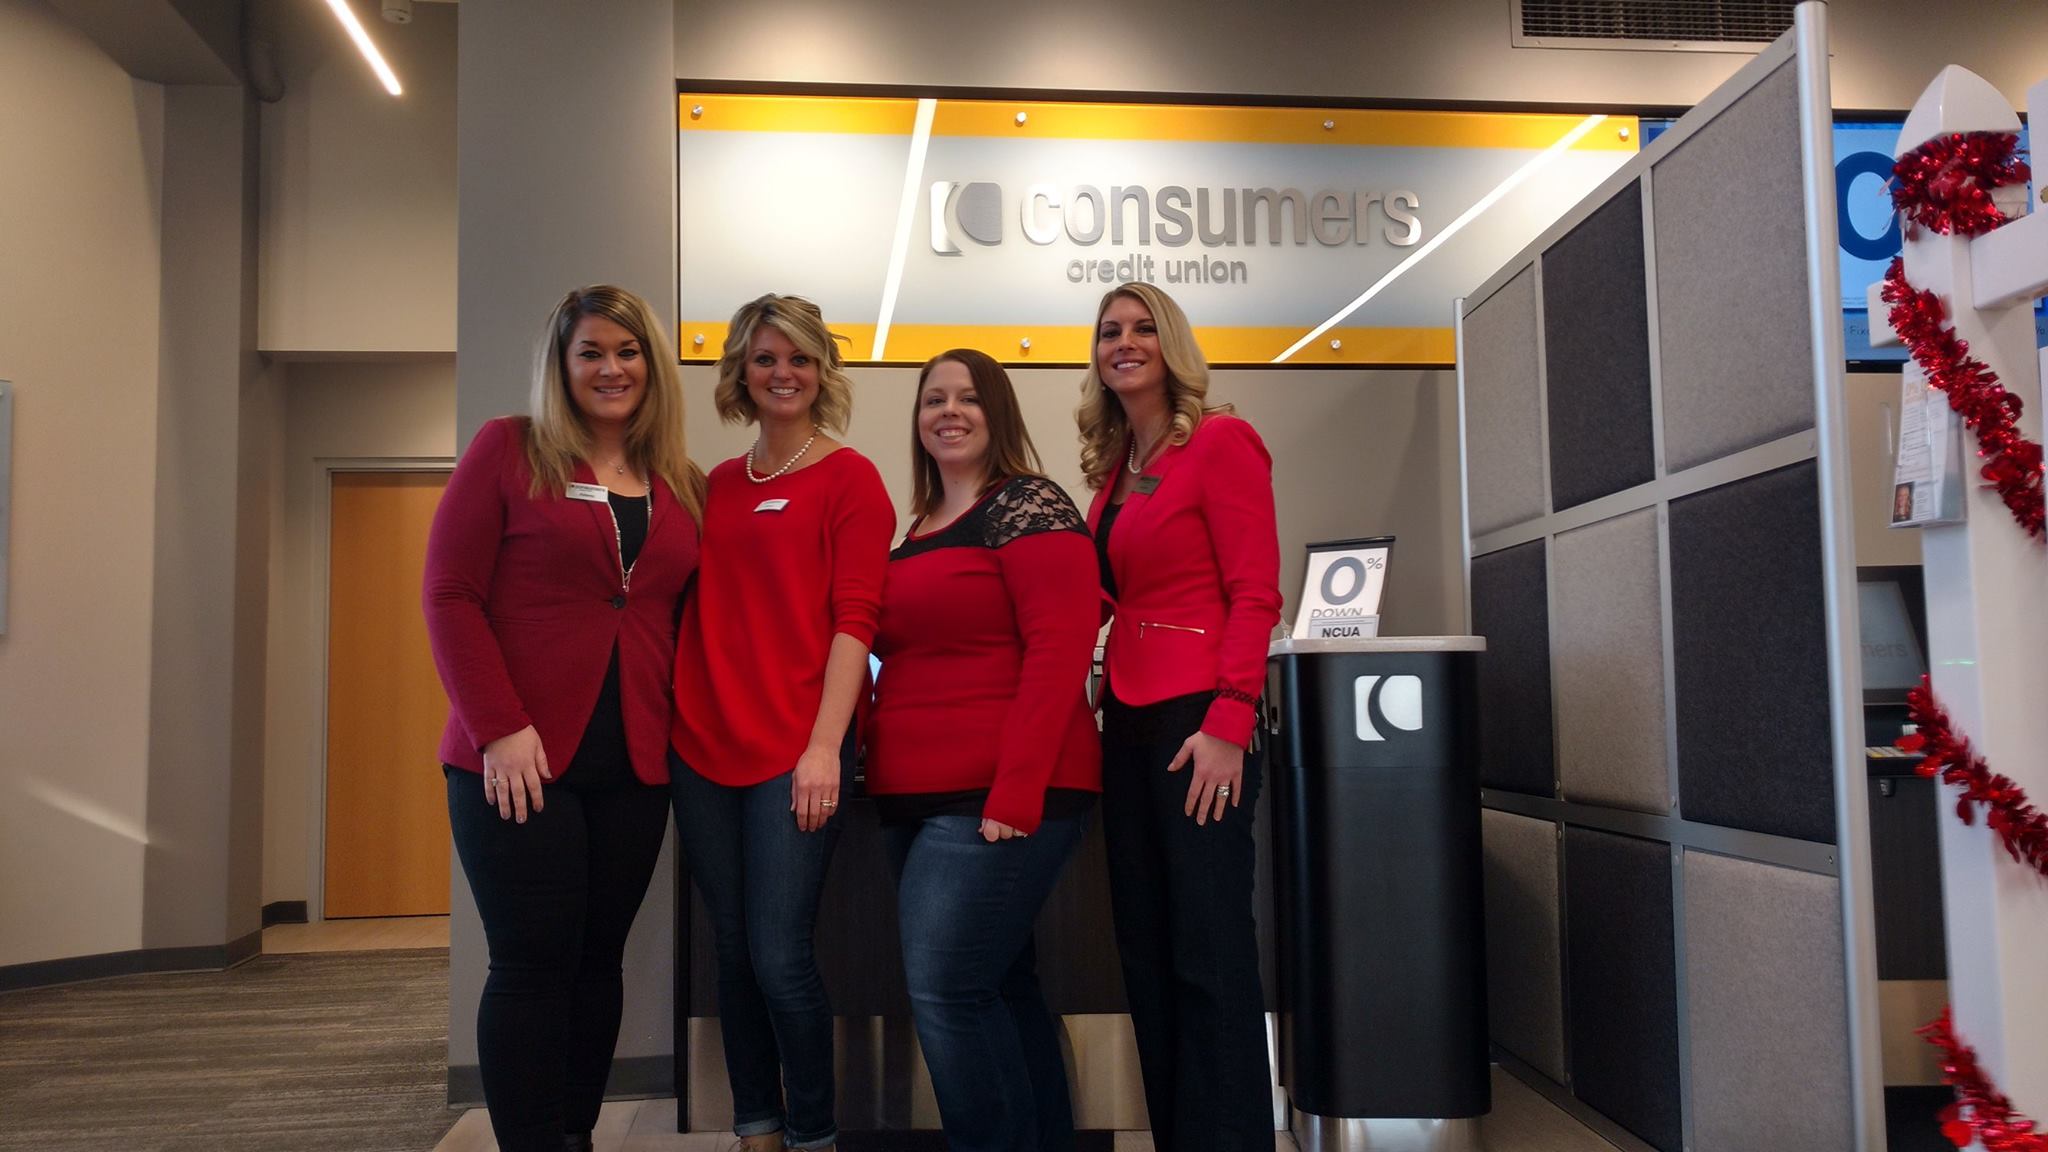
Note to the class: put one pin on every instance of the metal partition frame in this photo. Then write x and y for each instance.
(1805, 50)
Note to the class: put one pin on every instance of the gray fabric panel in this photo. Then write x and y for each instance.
(1596, 346)
(1765, 995)
(1524, 977)
(1731, 280)
(1608, 664)
(1503, 447)
(1623, 983)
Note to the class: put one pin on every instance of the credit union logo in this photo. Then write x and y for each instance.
(1387, 701)
(971, 213)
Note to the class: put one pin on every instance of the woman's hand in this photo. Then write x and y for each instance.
(514, 766)
(1218, 778)
(814, 794)
(994, 830)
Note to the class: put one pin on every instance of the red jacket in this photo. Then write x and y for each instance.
(1197, 567)
(524, 602)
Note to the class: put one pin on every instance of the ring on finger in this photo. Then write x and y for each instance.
(828, 803)
(1223, 789)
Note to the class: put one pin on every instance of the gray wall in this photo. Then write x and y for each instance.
(565, 138)
(203, 864)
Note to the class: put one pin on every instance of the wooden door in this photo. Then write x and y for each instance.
(387, 806)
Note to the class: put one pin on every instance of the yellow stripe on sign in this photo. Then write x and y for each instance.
(1202, 123)
(1073, 343)
(850, 115)
(702, 341)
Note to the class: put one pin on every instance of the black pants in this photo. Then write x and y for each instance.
(1182, 895)
(558, 895)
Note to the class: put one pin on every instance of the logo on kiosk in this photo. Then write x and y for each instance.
(1392, 701)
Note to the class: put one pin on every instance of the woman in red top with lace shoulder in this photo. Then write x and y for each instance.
(983, 758)
(1190, 566)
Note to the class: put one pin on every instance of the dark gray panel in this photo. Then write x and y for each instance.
(1524, 970)
(1767, 1006)
(1510, 608)
(1503, 445)
(1623, 982)
(1736, 343)
(1609, 665)
(1749, 646)
(1596, 353)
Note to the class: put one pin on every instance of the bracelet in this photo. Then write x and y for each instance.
(1226, 692)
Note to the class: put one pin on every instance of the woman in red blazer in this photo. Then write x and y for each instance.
(1190, 562)
(557, 557)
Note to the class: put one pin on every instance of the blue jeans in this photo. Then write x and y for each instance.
(966, 909)
(761, 877)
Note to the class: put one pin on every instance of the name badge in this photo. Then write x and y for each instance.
(595, 493)
(771, 505)
(1146, 485)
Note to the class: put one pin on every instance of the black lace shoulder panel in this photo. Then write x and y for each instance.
(1027, 506)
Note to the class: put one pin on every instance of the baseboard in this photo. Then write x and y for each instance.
(140, 961)
(284, 912)
(632, 1078)
(1561, 1096)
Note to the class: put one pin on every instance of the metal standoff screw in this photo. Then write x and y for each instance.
(1329, 125)
(1623, 132)
(1336, 344)
(696, 111)
(699, 341)
(1025, 344)
(1021, 118)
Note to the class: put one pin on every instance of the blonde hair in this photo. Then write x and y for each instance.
(799, 320)
(558, 436)
(1010, 451)
(1101, 418)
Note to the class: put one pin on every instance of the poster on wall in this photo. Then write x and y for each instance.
(1290, 235)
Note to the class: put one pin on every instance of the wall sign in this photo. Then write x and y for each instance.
(924, 224)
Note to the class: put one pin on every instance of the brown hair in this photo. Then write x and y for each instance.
(1010, 451)
(558, 436)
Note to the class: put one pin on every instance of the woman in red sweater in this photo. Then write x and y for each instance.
(773, 658)
(983, 759)
(1190, 565)
(557, 556)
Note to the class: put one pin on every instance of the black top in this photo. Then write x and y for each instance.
(1109, 510)
(602, 756)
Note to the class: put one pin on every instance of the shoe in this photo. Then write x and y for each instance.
(764, 1142)
(577, 1142)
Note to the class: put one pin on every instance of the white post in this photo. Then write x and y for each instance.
(1988, 636)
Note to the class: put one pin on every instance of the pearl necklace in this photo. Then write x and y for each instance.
(791, 463)
(1131, 458)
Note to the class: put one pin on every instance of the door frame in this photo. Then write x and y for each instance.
(325, 469)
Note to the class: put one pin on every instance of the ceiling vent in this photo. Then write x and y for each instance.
(1651, 25)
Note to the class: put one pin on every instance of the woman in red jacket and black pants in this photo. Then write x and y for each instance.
(557, 556)
(1190, 564)
(984, 761)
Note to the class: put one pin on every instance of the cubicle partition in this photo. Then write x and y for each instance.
(1676, 867)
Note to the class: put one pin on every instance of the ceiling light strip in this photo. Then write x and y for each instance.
(347, 16)
(906, 211)
(1535, 164)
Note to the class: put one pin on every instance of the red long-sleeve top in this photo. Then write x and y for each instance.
(987, 628)
(525, 602)
(1196, 555)
(786, 566)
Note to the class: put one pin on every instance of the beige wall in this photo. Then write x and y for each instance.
(79, 274)
(1884, 51)
(1873, 401)
(362, 411)
(358, 219)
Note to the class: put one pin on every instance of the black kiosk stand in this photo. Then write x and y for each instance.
(1374, 769)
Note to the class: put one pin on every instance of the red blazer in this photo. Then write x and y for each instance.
(1197, 566)
(524, 602)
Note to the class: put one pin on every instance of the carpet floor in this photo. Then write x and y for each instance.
(306, 1053)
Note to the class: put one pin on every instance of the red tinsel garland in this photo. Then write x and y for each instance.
(1945, 184)
(2020, 826)
(2012, 463)
(1980, 1113)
